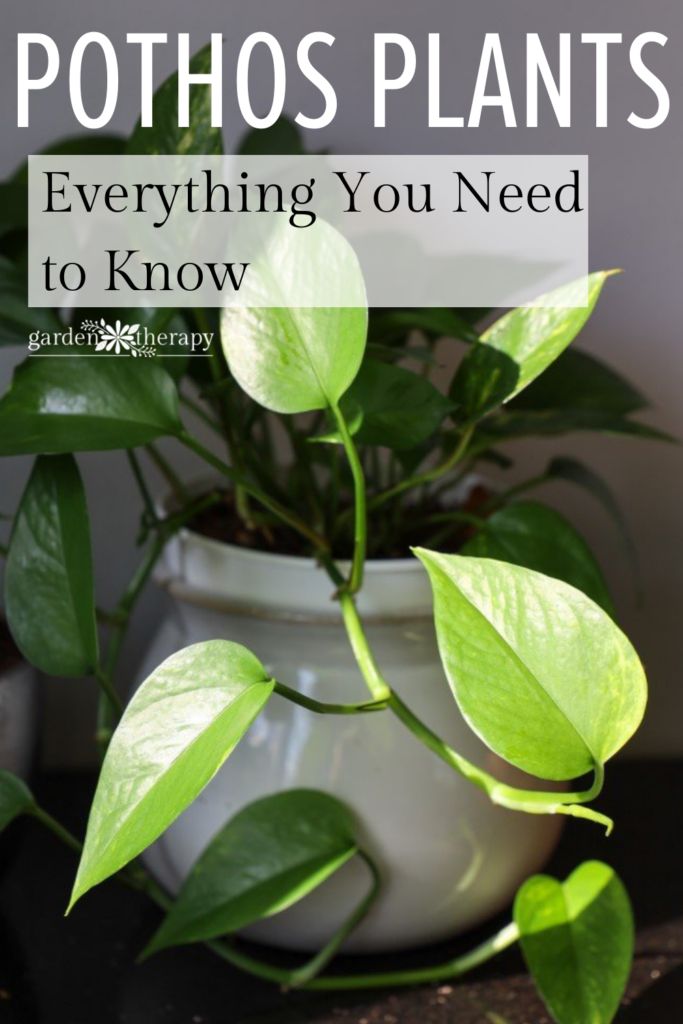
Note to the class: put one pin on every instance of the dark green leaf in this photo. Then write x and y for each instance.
(281, 139)
(578, 380)
(179, 728)
(269, 856)
(537, 537)
(166, 137)
(17, 321)
(86, 404)
(510, 424)
(573, 471)
(393, 407)
(15, 798)
(519, 346)
(49, 597)
(539, 671)
(87, 144)
(395, 324)
(577, 939)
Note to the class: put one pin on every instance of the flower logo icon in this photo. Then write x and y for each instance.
(118, 339)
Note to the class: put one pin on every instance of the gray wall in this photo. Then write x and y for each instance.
(636, 223)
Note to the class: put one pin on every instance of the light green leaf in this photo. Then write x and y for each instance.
(86, 404)
(15, 799)
(539, 671)
(537, 537)
(578, 380)
(393, 407)
(166, 137)
(177, 731)
(297, 358)
(577, 939)
(519, 346)
(49, 597)
(269, 856)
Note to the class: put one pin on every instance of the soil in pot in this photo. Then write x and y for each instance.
(220, 521)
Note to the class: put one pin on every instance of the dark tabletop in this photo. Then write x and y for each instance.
(82, 970)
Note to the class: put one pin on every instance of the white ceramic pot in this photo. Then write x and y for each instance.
(449, 858)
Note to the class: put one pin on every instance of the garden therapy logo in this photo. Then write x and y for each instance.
(116, 338)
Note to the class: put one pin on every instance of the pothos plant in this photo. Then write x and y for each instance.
(526, 628)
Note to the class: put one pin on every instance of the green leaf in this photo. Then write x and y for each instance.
(539, 671)
(85, 144)
(575, 472)
(166, 137)
(282, 139)
(519, 346)
(269, 856)
(177, 731)
(15, 799)
(577, 938)
(17, 321)
(578, 380)
(537, 537)
(395, 324)
(393, 407)
(510, 424)
(295, 359)
(78, 403)
(49, 598)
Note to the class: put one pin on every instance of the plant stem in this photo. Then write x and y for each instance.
(201, 413)
(379, 688)
(322, 707)
(287, 516)
(56, 828)
(460, 965)
(429, 475)
(168, 473)
(528, 801)
(360, 512)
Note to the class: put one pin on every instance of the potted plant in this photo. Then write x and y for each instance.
(363, 753)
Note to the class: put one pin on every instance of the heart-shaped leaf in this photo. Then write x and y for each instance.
(539, 671)
(577, 939)
(166, 137)
(15, 798)
(86, 404)
(177, 731)
(387, 405)
(537, 537)
(521, 344)
(269, 856)
(49, 597)
(578, 380)
(294, 358)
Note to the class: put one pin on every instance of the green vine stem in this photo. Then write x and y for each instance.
(323, 708)
(429, 475)
(528, 801)
(359, 502)
(279, 510)
(306, 977)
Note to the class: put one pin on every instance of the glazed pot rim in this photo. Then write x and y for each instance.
(166, 504)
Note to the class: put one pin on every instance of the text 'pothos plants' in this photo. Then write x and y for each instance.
(534, 658)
